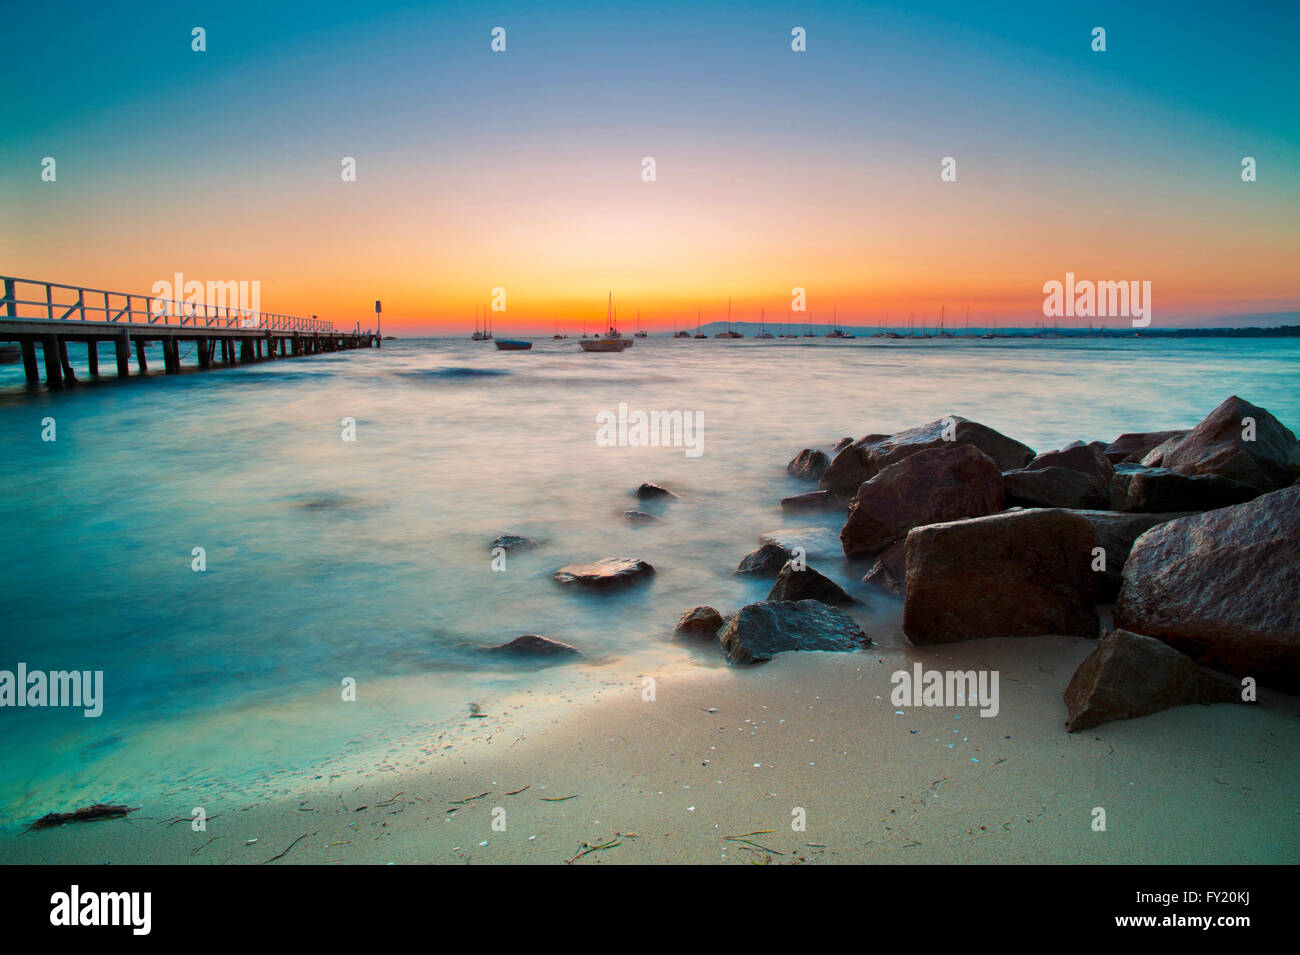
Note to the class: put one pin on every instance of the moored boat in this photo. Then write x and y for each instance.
(509, 344)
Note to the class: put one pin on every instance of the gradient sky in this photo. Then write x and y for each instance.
(775, 169)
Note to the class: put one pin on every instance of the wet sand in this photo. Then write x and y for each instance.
(721, 755)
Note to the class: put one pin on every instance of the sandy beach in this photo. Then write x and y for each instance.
(722, 756)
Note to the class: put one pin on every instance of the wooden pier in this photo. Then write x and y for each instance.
(52, 315)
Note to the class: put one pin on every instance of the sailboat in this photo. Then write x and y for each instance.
(680, 332)
(809, 333)
(640, 332)
(728, 333)
(698, 333)
(478, 335)
(557, 336)
(762, 324)
(612, 340)
(837, 332)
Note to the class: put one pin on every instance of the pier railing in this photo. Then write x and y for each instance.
(30, 300)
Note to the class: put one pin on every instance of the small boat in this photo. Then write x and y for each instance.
(729, 333)
(486, 334)
(762, 324)
(612, 340)
(698, 333)
(509, 344)
(639, 333)
(809, 333)
(557, 336)
(837, 332)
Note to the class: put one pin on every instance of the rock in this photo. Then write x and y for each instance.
(1131, 447)
(812, 501)
(1293, 463)
(808, 464)
(606, 573)
(1158, 490)
(767, 561)
(1087, 458)
(532, 645)
(930, 487)
(759, 631)
(841, 444)
(1154, 457)
(1013, 574)
(1217, 446)
(1055, 487)
(1116, 533)
(807, 584)
(867, 456)
(1130, 675)
(639, 517)
(814, 542)
(889, 572)
(1223, 588)
(649, 492)
(513, 542)
(699, 622)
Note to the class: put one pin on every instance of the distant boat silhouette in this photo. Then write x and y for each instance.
(612, 340)
(728, 333)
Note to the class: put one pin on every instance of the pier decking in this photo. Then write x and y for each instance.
(52, 315)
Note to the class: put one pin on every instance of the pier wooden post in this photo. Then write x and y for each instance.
(122, 346)
(142, 365)
(201, 346)
(53, 368)
(69, 376)
(171, 356)
(245, 351)
(30, 368)
(92, 357)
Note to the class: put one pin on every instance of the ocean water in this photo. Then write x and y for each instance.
(369, 559)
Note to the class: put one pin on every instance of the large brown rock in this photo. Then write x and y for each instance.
(930, 487)
(866, 457)
(608, 573)
(1158, 490)
(1223, 588)
(1088, 458)
(1116, 533)
(766, 561)
(1130, 675)
(794, 583)
(812, 501)
(808, 465)
(1218, 446)
(699, 622)
(759, 631)
(1133, 446)
(1014, 574)
(1055, 487)
(889, 572)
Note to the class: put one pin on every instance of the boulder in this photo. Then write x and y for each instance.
(759, 631)
(608, 573)
(808, 464)
(1129, 675)
(1131, 447)
(812, 501)
(889, 572)
(766, 561)
(1087, 458)
(841, 444)
(1055, 487)
(1219, 446)
(1013, 574)
(513, 542)
(1223, 588)
(699, 622)
(651, 492)
(807, 584)
(864, 458)
(1157, 490)
(930, 487)
(1116, 533)
(1293, 463)
(531, 645)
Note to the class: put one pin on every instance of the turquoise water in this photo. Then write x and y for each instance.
(370, 559)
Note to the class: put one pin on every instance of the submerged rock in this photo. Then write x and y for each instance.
(1133, 446)
(513, 542)
(930, 487)
(1223, 588)
(605, 574)
(808, 465)
(699, 622)
(653, 492)
(639, 517)
(1055, 487)
(759, 631)
(1155, 490)
(812, 501)
(807, 584)
(1224, 444)
(867, 456)
(1130, 675)
(532, 645)
(1014, 574)
(766, 561)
